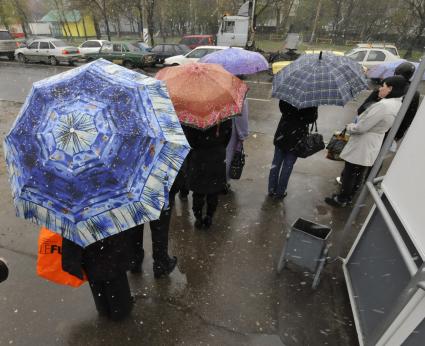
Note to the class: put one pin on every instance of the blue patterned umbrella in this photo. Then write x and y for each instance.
(319, 79)
(94, 151)
(237, 61)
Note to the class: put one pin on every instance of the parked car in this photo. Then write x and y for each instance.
(193, 56)
(389, 47)
(143, 46)
(193, 41)
(166, 50)
(123, 53)
(7, 45)
(49, 50)
(91, 46)
(368, 57)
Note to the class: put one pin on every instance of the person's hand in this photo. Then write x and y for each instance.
(349, 127)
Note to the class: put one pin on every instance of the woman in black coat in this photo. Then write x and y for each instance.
(206, 168)
(293, 126)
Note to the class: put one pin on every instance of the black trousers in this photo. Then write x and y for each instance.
(199, 201)
(159, 233)
(112, 298)
(352, 179)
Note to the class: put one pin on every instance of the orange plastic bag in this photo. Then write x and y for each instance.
(49, 261)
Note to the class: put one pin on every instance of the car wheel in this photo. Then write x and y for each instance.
(11, 57)
(71, 63)
(22, 59)
(90, 59)
(128, 64)
(53, 61)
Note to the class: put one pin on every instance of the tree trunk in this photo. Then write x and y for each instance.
(313, 32)
(150, 6)
(140, 24)
(76, 23)
(84, 27)
(97, 28)
(105, 18)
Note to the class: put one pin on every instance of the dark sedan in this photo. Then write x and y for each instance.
(166, 50)
(123, 53)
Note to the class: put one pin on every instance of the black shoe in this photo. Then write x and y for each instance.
(226, 189)
(198, 223)
(334, 201)
(136, 267)
(207, 221)
(279, 197)
(164, 268)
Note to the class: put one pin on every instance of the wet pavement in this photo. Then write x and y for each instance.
(226, 290)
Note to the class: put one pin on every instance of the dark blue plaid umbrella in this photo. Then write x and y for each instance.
(94, 151)
(319, 79)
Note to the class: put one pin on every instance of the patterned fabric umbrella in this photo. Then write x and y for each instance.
(319, 79)
(237, 61)
(94, 151)
(386, 69)
(203, 94)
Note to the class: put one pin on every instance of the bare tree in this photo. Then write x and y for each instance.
(416, 12)
(150, 8)
(102, 5)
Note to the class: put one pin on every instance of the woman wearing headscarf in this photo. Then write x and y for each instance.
(366, 137)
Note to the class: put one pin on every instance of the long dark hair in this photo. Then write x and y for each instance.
(399, 85)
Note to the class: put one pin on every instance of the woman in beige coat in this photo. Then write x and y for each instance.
(366, 137)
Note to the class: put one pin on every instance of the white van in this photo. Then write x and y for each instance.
(233, 31)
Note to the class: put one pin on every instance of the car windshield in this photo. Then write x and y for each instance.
(60, 44)
(392, 50)
(4, 35)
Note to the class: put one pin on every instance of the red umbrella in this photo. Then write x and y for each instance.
(203, 95)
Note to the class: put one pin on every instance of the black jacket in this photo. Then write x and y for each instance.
(293, 125)
(206, 163)
(408, 118)
(103, 260)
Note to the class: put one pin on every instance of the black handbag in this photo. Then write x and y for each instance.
(310, 144)
(236, 166)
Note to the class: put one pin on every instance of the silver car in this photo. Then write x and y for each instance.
(49, 50)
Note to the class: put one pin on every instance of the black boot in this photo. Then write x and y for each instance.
(198, 221)
(164, 267)
(139, 252)
(207, 222)
(136, 265)
(162, 263)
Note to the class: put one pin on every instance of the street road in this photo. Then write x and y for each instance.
(226, 290)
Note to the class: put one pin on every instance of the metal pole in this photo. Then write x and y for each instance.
(381, 156)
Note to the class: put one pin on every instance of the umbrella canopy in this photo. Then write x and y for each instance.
(319, 79)
(203, 95)
(237, 61)
(386, 69)
(94, 151)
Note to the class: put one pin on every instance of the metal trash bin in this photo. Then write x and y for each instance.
(306, 247)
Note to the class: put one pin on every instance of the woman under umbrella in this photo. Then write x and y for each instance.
(206, 171)
(366, 138)
(205, 97)
(293, 126)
